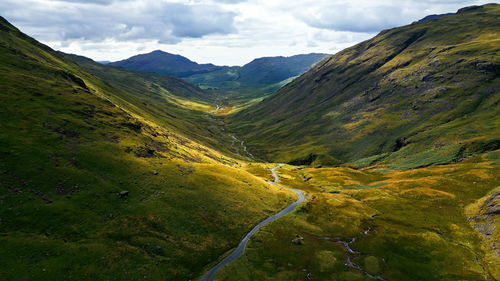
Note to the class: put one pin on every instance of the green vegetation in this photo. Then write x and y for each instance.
(167, 101)
(411, 121)
(407, 225)
(109, 174)
(70, 142)
(410, 97)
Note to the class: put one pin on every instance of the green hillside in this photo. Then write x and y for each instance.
(72, 145)
(165, 100)
(412, 96)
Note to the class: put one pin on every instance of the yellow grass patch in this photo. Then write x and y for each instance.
(480, 173)
(409, 182)
(189, 104)
(426, 191)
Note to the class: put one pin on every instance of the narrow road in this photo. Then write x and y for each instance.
(241, 247)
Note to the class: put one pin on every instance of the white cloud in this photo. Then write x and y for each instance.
(219, 31)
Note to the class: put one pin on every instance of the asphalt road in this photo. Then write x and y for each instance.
(241, 247)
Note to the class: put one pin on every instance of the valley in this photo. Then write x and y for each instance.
(380, 162)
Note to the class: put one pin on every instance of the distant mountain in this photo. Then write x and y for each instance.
(431, 17)
(412, 96)
(165, 63)
(266, 74)
(272, 70)
(262, 75)
(461, 11)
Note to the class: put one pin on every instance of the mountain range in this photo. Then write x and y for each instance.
(260, 75)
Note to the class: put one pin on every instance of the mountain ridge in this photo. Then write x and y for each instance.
(337, 101)
(260, 75)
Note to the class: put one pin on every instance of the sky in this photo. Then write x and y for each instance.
(223, 32)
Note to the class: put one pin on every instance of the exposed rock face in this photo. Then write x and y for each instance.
(486, 220)
(298, 240)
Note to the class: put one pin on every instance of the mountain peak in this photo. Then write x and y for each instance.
(161, 62)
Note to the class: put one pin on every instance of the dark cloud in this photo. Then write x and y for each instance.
(119, 20)
(348, 18)
(100, 2)
(230, 1)
(197, 20)
(116, 29)
(370, 16)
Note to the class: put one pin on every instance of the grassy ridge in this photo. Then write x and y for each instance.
(389, 99)
(70, 142)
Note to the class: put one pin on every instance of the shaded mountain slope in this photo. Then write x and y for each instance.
(90, 190)
(263, 75)
(272, 70)
(165, 63)
(412, 96)
(260, 76)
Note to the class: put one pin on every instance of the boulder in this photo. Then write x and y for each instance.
(122, 194)
(298, 240)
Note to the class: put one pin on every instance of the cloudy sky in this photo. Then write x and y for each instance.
(224, 32)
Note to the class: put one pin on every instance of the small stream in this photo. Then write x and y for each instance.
(352, 254)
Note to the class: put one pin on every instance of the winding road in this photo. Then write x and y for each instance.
(241, 247)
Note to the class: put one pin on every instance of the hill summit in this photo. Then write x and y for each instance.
(165, 63)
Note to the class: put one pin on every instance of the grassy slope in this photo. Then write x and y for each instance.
(409, 225)
(69, 142)
(167, 101)
(412, 96)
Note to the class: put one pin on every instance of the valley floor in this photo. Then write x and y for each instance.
(434, 223)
